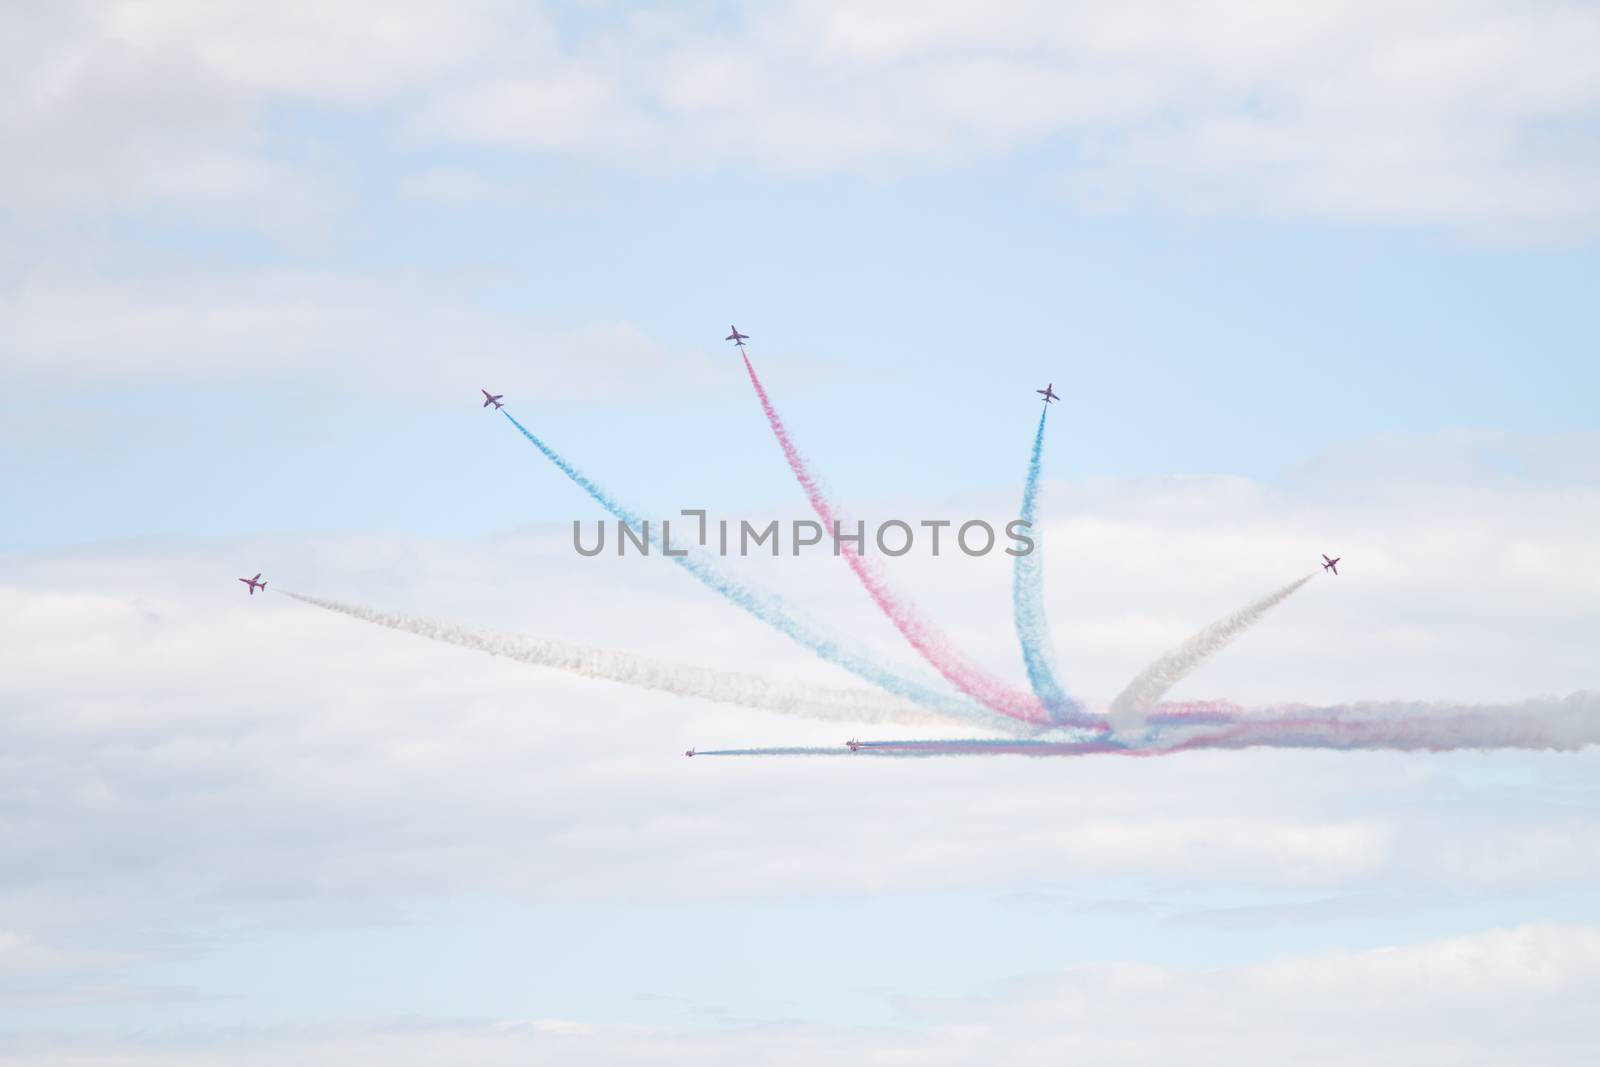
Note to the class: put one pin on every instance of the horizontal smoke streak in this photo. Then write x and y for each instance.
(723, 687)
(1561, 724)
(792, 751)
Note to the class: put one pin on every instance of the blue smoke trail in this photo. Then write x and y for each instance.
(769, 610)
(1027, 601)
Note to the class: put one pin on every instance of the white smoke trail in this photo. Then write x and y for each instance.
(1152, 683)
(723, 687)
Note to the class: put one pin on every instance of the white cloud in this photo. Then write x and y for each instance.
(165, 734)
(178, 759)
(1466, 118)
(1519, 995)
(100, 125)
(1477, 119)
(72, 328)
(347, 53)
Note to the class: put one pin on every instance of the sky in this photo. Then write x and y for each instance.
(1307, 279)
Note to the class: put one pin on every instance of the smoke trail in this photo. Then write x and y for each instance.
(723, 687)
(929, 643)
(1152, 683)
(1554, 724)
(767, 608)
(921, 749)
(1562, 724)
(812, 750)
(1027, 599)
(991, 747)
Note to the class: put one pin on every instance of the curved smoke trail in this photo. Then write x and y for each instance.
(1552, 724)
(1027, 598)
(767, 608)
(722, 687)
(1152, 683)
(929, 643)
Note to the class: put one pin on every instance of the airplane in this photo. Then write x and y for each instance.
(492, 398)
(853, 745)
(254, 583)
(736, 337)
(1048, 392)
(1331, 564)
(689, 753)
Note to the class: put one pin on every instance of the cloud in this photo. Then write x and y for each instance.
(151, 706)
(1466, 119)
(103, 124)
(249, 764)
(1473, 119)
(1521, 994)
(345, 53)
(75, 328)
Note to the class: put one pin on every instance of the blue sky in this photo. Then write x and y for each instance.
(1312, 277)
(889, 292)
(1183, 346)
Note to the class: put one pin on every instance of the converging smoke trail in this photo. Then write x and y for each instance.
(929, 643)
(1027, 599)
(722, 687)
(1551, 724)
(1152, 683)
(766, 608)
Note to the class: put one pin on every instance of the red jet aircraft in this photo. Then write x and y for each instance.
(736, 337)
(254, 583)
(1048, 393)
(689, 753)
(1331, 564)
(492, 398)
(853, 745)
